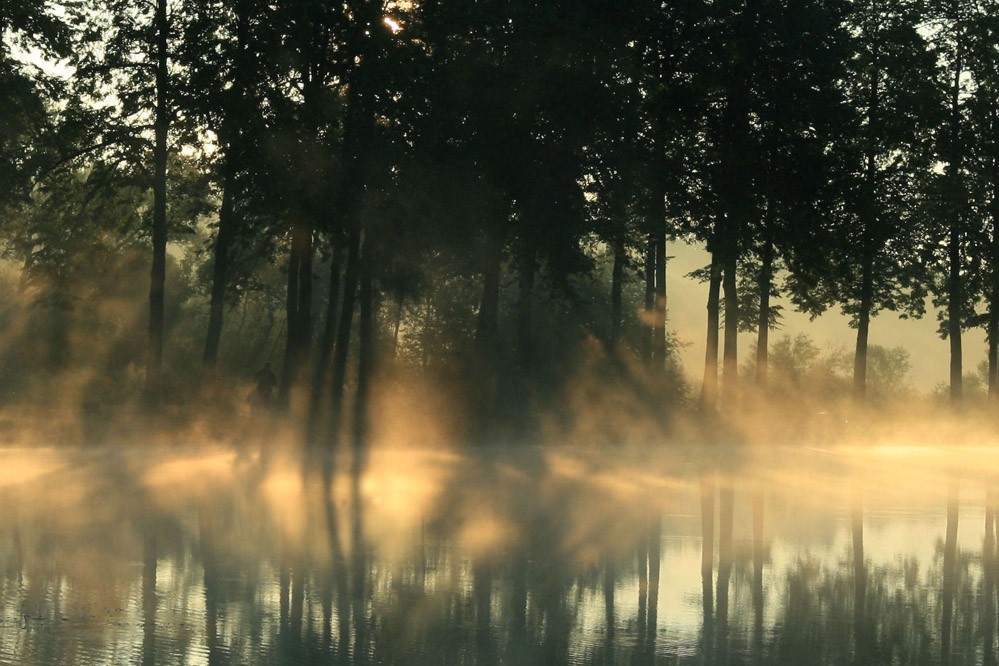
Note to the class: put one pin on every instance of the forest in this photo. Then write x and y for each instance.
(462, 213)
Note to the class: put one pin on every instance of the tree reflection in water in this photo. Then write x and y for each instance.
(531, 556)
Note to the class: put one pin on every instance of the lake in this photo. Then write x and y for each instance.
(500, 555)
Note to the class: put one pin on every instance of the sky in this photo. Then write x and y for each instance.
(929, 354)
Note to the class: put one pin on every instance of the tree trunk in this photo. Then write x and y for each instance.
(366, 347)
(617, 277)
(993, 298)
(730, 368)
(659, 323)
(525, 290)
(954, 286)
(220, 266)
(709, 385)
(322, 370)
(763, 320)
(299, 294)
(157, 282)
(227, 221)
(340, 348)
(863, 321)
(648, 319)
(487, 321)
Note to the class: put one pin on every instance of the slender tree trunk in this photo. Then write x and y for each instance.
(231, 135)
(157, 286)
(340, 349)
(993, 298)
(730, 367)
(648, 320)
(366, 347)
(763, 320)
(220, 266)
(321, 372)
(487, 321)
(525, 290)
(659, 324)
(955, 294)
(709, 385)
(296, 315)
(863, 322)
(617, 278)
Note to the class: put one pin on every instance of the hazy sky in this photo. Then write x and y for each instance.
(928, 353)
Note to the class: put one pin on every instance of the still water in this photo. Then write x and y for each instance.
(873, 555)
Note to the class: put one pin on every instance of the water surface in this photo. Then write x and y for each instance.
(124, 555)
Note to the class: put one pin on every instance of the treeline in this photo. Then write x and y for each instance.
(487, 189)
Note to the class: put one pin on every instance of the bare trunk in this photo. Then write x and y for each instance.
(730, 368)
(340, 349)
(763, 320)
(321, 372)
(298, 308)
(659, 324)
(220, 267)
(863, 324)
(366, 347)
(617, 276)
(525, 327)
(955, 295)
(709, 385)
(648, 318)
(157, 286)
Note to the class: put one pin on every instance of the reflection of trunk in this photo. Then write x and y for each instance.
(758, 575)
(709, 385)
(859, 578)
(609, 582)
(149, 600)
(949, 574)
(157, 283)
(284, 597)
(211, 580)
(643, 586)
(297, 602)
(482, 583)
(707, 559)
(763, 320)
(726, 512)
(655, 555)
(988, 575)
(518, 645)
